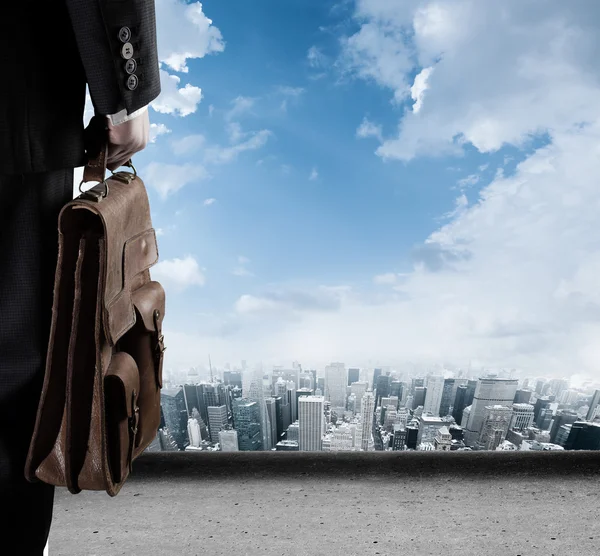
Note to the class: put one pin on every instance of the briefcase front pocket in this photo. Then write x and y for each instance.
(144, 342)
(121, 397)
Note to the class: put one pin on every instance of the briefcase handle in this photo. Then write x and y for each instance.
(96, 146)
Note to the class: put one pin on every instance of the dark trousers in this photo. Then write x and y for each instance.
(29, 207)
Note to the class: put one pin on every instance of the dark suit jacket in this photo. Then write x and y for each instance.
(49, 49)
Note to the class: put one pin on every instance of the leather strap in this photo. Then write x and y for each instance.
(96, 145)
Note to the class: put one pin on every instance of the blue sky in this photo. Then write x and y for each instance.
(375, 182)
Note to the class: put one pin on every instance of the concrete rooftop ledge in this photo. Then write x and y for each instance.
(237, 465)
(368, 504)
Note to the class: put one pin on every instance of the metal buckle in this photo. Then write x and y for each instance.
(93, 194)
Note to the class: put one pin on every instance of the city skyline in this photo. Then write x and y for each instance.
(383, 409)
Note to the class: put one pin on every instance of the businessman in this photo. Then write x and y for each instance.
(49, 50)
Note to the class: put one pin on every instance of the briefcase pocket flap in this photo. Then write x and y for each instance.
(149, 300)
(139, 254)
(122, 384)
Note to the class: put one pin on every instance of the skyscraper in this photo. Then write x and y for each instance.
(353, 375)
(272, 413)
(194, 432)
(376, 375)
(366, 414)
(311, 422)
(359, 389)
(541, 403)
(335, 384)
(496, 421)
(522, 416)
(247, 423)
(522, 396)
(302, 392)
(562, 417)
(584, 436)
(489, 392)
(433, 398)
(594, 403)
(175, 415)
(255, 390)
(382, 389)
(447, 398)
(217, 421)
(419, 397)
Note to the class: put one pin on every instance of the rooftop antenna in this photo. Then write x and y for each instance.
(210, 367)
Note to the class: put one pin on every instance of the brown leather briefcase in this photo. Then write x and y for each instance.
(100, 402)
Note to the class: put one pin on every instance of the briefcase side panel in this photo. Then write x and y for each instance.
(49, 428)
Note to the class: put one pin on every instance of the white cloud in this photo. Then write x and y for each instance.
(314, 175)
(175, 100)
(170, 178)
(471, 179)
(240, 105)
(234, 130)
(492, 84)
(291, 91)
(386, 279)
(223, 155)
(156, 130)
(417, 91)
(242, 268)
(188, 144)
(369, 129)
(315, 57)
(208, 202)
(179, 273)
(184, 32)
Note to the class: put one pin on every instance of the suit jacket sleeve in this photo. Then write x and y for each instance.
(110, 33)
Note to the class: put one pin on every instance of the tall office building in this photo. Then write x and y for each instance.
(353, 375)
(399, 439)
(366, 416)
(228, 439)
(335, 384)
(359, 389)
(217, 421)
(447, 397)
(594, 403)
(255, 391)
(545, 419)
(412, 437)
(303, 392)
(583, 436)
(522, 396)
(463, 398)
(522, 416)
(569, 397)
(247, 424)
(291, 395)
(272, 413)
(562, 417)
(190, 395)
(382, 389)
(175, 415)
(232, 378)
(311, 423)
(541, 403)
(194, 432)
(489, 392)
(562, 435)
(279, 428)
(396, 389)
(376, 374)
(496, 421)
(419, 397)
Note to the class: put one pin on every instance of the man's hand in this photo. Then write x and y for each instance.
(126, 139)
